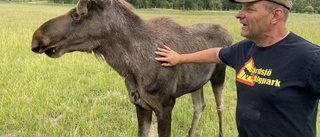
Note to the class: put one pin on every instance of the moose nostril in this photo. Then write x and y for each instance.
(35, 48)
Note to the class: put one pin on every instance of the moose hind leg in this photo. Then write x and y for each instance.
(217, 82)
(198, 106)
(144, 121)
(219, 102)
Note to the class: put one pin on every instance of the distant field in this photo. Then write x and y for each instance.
(77, 95)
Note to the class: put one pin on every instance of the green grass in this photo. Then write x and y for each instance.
(76, 95)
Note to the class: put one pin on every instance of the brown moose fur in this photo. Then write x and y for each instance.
(113, 31)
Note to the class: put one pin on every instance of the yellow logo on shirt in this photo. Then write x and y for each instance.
(246, 74)
(250, 75)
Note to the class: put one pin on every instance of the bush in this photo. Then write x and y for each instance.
(317, 10)
(308, 9)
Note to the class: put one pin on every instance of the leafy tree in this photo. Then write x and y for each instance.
(308, 9)
(226, 5)
(317, 10)
(217, 5)
(299, 5)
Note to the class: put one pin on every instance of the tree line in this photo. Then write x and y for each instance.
(299, 6)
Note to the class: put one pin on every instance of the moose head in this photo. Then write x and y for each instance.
(81, 29)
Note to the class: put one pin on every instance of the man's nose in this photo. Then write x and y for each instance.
(240, 14)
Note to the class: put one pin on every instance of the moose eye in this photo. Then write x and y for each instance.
(75, 16)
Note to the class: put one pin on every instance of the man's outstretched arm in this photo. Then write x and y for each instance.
(171, 58)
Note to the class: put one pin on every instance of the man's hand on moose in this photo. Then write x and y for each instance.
(168, 56)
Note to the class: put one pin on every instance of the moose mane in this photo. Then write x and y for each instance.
(124, 5)
(141, 35)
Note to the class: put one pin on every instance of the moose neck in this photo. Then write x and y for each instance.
(118, 46)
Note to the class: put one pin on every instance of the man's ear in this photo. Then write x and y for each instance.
(278, 15)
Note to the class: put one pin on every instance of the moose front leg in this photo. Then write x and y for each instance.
(144, 121)
(164, 122)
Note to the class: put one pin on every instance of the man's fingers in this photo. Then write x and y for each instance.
(163, 50)
(164, 53)
(160, 53)
(164, 61)
(166, 65)
(166, 47)
(160, 59)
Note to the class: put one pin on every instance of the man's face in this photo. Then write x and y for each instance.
(255, 19)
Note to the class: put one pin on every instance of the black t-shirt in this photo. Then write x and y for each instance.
(277, 87)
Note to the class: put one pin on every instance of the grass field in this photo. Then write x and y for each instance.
(77, 95)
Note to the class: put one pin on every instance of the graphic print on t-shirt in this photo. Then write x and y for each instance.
(250, 75)
(246, 74)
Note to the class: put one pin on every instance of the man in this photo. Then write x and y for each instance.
(277, 72)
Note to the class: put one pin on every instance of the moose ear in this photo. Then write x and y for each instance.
(102, 3)
(83, 6)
